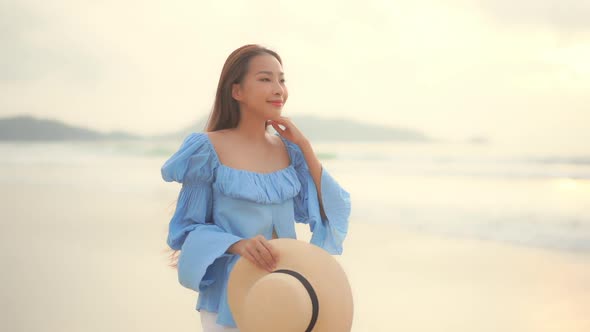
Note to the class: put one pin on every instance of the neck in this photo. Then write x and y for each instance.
(252, 128)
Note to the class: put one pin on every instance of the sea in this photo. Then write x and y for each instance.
(486, 191)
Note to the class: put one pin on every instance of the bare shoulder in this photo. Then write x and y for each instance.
(228, 136)
(219, 137)
(218, 133)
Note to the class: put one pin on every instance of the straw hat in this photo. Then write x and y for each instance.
(308, 292)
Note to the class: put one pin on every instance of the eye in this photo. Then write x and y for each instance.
(265, 79)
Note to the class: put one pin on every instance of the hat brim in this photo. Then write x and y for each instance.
(321, 270)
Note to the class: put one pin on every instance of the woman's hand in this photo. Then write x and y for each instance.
(258, 251)
(290, 132)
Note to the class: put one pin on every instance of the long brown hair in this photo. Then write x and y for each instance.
(225, 113)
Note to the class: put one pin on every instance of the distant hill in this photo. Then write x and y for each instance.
(329, 129)
(28, 128)
(349, 130)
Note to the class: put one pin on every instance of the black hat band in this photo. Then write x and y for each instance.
(312, 296)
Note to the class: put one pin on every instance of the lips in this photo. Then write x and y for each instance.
(276, 103)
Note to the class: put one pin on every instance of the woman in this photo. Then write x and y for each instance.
(242, 186)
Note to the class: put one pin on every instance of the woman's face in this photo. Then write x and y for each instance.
(263, 90)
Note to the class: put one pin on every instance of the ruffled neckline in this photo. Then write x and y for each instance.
(266, 188)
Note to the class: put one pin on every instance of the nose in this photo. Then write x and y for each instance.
(278, 89)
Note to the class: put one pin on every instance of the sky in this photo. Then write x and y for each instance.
(515, 72)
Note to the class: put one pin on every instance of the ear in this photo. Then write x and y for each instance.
(236, 91)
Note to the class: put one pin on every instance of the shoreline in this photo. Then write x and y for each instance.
(423, 282)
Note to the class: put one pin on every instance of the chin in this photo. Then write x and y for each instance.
(275, 113)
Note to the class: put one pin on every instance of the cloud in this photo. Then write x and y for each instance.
(561, 15)
(34, 46)
(441, 66)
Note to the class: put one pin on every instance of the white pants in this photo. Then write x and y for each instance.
(209, 325)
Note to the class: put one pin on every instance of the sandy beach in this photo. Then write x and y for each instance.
(92, 258)
(413, 282)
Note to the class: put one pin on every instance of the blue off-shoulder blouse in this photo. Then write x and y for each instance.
(219, 205)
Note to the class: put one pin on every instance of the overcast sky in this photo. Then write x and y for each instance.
(509, 70)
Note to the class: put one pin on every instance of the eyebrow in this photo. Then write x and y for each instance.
(268, 72)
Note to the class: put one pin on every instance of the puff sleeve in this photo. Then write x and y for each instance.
(191, 228)
(329, 232)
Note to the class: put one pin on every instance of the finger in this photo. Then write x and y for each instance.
(258, 254)
(254, 261)
(286, 121)
(273, 252)
(263, 247)
(255, 258)
(280, 125)
(265, 255)
(282, 121)
(276, 127)
(249, 257)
